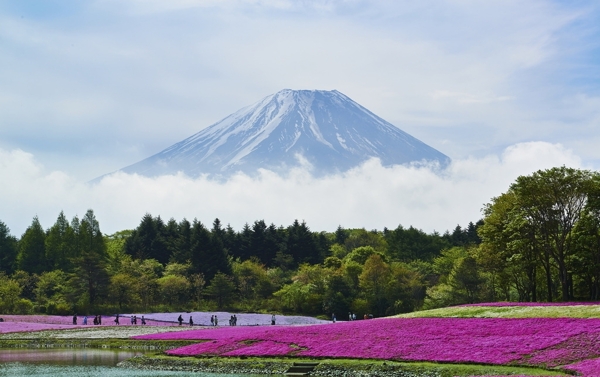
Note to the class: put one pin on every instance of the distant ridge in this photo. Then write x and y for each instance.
(325, 128)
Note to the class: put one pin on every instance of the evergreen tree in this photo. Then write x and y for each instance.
(32, 249)
(90, 279)
(182, 251)
(340, 235)
(301, 244)
(147, 240)
(59, 244)
(208, 255)
(8, 250)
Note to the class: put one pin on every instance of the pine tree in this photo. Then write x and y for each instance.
(8, 250)
(32, 249)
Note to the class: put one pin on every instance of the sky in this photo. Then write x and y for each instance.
(504, 88)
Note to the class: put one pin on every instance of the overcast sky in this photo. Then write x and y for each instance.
(87, 87)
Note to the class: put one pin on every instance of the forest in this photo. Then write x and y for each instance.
(538, 241)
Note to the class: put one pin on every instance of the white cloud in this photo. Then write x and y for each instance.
(369, 196)
(111, 82)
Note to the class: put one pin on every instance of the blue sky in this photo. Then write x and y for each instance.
(89, 87)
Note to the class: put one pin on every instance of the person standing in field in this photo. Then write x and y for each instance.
(180, 320)
(191, 321)
(117, 319)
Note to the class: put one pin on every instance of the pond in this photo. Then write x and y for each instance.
(79, 362)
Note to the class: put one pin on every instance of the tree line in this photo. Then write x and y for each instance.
(174, 265)
(539, 241)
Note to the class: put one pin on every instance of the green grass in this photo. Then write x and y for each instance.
(575, 311)
(347, 366)
(445, 369)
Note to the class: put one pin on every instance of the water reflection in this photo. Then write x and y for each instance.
(80, 363)
(66, 357)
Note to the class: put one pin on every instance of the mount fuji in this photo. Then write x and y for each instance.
(324, 130)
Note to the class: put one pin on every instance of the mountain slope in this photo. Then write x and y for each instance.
(326, 128)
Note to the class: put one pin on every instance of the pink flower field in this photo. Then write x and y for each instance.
(68, 320)
(530, 341)
(9, 327)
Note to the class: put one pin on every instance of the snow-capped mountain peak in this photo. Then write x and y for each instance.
(328, 129)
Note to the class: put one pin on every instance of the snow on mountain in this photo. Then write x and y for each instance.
(325, 128)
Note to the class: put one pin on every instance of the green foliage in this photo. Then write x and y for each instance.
(222, 290)
(61, 245)
(52, 290)
(174, 289)
(360, 254)
(32, 249)
(124, 290)
(360, 237)
(8, 250)
(537, 236)
(9, 294)
(413, 244)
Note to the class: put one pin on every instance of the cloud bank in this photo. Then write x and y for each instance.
(91, 87)
(369, 196)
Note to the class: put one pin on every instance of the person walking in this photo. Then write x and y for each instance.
(191, 321)
(117, 319)
(180, 320)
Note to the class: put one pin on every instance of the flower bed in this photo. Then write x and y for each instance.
(588, 368)
(479, 340)
(243, 319)
(12, 327)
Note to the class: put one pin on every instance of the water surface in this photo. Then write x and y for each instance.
(80, 362)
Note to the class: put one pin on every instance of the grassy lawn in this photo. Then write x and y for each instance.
(350, 365)
(576, 311)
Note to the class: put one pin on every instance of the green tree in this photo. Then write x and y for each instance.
(9, 294)
(123, 290)
(374, 280)
(146, 274)
(32, 249)
(405, 290)
(222, 290)
(148, 241)
(90, 280)
(410, 244)
(553, 201)
(174, 289)
(59, 244)
(466, 279)
(116, 257)
(51, 292)
(208, 254)
(301, 244)
(8, 250)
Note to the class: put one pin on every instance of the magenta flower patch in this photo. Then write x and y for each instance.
(8, 327)
(477, 340)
